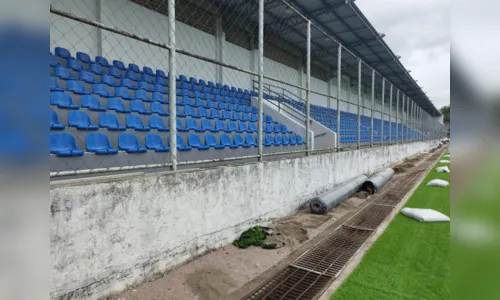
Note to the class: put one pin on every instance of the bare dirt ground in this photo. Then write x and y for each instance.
(218, 274)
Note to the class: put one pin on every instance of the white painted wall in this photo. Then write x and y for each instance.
(108, 235)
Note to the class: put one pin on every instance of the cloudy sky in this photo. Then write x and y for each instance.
(419, 31)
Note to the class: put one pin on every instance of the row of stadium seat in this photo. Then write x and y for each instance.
(82, 121)
(63, 144)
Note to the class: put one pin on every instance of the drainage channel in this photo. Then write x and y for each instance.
(311, 272)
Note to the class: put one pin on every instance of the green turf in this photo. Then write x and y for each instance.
(410, 260)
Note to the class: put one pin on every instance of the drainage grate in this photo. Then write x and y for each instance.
(332, 254)
(291, 283)
(370, 217)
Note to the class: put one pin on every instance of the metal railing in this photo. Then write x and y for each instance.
(245, 45)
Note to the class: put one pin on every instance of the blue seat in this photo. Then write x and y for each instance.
(102, 61)
(210, 104)
(299, 140)
(54, 121)
(277, 128)
(180, 144)
(157, 123)
(245, 117)
(123, 92)
(161, 81)
(129, 143)
(268, 128)
(99, 144)
(285, 141)
(114, 72)
(161, 89)
(126, 82)
(207, 125)
(76, 87)
(62, 52)
(254, 118)
(131, 75)
(161, 74)
(250, 140)
(158, 97)
(233, 127)
(154, 142)
(242, 126)
(252, 127)
(118, 64)
(110, 121)
(139, 107)
(74, 64)
(239, 108)
(180, 126)
(148, 70)
(215, 114)
(143, 85)
(236, 116)
(92, 102)
(109, 80)
(135, 122)
(268, 141)
(96, 68)
(195, 142)
(63, 144)
(211, 141)
(202, 112)
(189, 111)
(80, 120)
(277, 140)
(62, 72)
(54, 61)
(83, 57)
(142, 95)
(226, 115)
(238, 141)
(101, 90)
(225, 141)
(62, 100)
(221, 126)
(134, 68)
(117, 104)
(199, 103)
(191, 124)
(157, 108)
(86, 76)
(54, 86)
(183, 78)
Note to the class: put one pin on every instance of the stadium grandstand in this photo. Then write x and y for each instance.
(149, 85)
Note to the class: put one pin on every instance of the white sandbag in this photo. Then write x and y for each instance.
(444, 169)
(425, 215)
(438, 182)
(444, 161)
(447, 155)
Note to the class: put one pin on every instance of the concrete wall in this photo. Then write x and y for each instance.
(110, 234)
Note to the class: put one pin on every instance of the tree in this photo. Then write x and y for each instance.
(445, 110)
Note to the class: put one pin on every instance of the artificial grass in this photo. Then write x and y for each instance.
(410, 260)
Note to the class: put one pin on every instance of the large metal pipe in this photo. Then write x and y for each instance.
(377, 181)
(323, 203)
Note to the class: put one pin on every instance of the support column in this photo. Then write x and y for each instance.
(372, 108)
(308, 89)
(261, 77)
(397, 117)
(172, 84)
(359, 103)
(390, 116)
(382, 113)
(219, 44)
(339, 91)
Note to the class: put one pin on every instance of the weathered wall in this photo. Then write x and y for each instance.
(110, 234)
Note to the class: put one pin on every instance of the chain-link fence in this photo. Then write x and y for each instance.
(229, 79)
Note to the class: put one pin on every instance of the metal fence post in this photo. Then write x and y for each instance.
(382, 113)
(339, 91)
(407, 119)
(261, 77)
(373, 106)
(390, 116)
(397, 117)
(359, 104)
(172, 85)
(308, 89)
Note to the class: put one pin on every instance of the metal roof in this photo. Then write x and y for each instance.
(343, 20)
